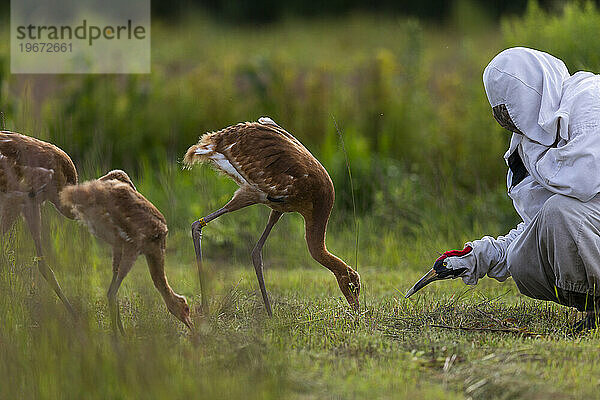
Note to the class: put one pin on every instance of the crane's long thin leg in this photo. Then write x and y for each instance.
(13, 198)
(257, 257)
(9, 211)
(33, 218)
(241, 198)
(125, 261)
(113, 307)
(197, 237)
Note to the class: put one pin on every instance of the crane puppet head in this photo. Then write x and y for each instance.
(441, 270)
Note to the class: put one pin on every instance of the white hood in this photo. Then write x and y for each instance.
(541, 97)
(529, 83)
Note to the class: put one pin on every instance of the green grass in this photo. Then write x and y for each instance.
(313, 347)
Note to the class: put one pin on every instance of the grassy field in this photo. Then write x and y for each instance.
(428, 176)
(313, 347)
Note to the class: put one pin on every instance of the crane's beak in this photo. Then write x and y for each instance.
(429, 277)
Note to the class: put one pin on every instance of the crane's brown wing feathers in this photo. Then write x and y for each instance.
(112, 204)
(139, 216)
(267, 156)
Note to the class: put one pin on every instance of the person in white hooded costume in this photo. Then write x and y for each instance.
(553, 180)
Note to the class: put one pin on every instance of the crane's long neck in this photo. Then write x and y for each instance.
(157, 271)
(176, 304)
(316, 227)
(348, 279)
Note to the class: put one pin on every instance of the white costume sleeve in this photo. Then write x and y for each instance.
(487, 258)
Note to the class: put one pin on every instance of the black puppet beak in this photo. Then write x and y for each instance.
(424, 281)
(438, 272)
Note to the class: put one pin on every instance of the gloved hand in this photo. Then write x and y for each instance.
(451, 264)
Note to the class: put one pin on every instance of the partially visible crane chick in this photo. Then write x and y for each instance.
(31, 172)
(117, 213)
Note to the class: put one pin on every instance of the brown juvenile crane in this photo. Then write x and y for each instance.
(272, 167)
(117, 213)
(31, 172)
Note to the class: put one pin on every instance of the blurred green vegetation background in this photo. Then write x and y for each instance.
(425, 152)
(428, 173)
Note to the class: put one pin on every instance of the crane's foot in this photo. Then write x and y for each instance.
(120, 322)
(115, 317)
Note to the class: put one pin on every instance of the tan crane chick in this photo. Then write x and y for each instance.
(272, 167)
(31, 172)
(117, 213)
